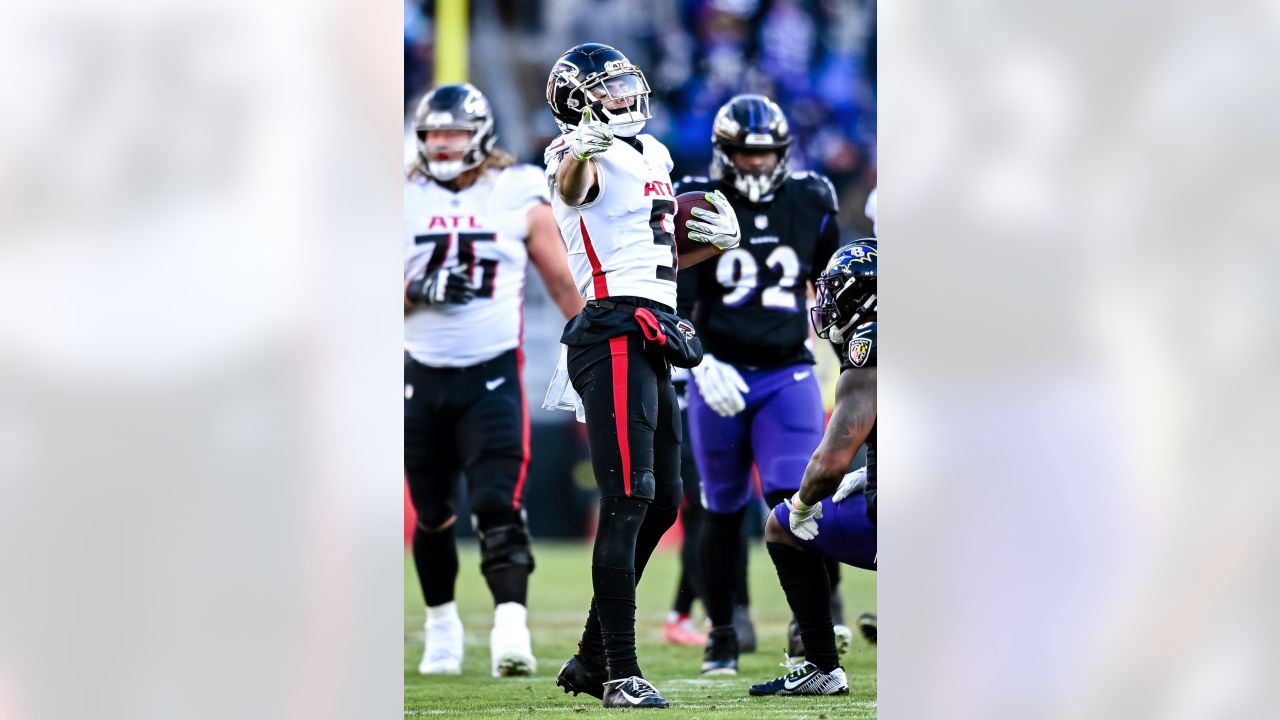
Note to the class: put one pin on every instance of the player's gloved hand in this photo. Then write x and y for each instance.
(441, 286)
(854, 482)
(591, 137)
(804, 518)
(720, 386)
(720, 228)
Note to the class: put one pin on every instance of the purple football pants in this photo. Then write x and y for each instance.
(845, 533)
(778, 432)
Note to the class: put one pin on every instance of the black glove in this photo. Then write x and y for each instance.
(441, 286)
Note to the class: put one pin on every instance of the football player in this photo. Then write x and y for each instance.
(473, 220)
(757, 399)
(612, 196)
(812, 523)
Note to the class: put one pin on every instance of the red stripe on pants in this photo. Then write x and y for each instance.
(597, 272)
(618, 354)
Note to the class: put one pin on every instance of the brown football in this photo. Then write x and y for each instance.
(691, 253)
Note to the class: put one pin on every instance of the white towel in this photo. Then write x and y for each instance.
(560, 393)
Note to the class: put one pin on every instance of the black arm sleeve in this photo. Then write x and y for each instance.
(828, 243)
(687, 291)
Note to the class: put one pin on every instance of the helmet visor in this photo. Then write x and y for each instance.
(621, 98)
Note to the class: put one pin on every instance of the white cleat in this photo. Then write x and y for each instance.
(510, 646)
(844, 639)
(443, 655)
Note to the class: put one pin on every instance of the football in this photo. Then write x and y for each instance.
(690, 252)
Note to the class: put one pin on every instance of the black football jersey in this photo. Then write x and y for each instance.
(749, 302)
(859, 351)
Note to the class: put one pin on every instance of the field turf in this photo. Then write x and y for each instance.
(560, 589)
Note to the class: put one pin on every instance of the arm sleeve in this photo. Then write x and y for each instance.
(828, 243)
(687, 290)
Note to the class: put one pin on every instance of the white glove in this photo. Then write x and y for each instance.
(804, 522)
(720, 228)
(720, 386)
(854, 482)
(591, 137)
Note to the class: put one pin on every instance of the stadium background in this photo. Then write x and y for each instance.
(816, 58)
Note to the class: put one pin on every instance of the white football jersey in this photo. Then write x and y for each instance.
(621, 243)
(482, 229)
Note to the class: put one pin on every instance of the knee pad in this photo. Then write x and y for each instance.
(504, 541)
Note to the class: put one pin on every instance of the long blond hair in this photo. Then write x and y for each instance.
(495, 160)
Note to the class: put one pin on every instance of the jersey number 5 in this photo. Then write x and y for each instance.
(466, 256)
(661, 236)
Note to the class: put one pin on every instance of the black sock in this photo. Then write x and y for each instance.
(657, 521)
(690, 587)
(803, 576)
(613, 576)
(721, 555)
(435, 555)
(509, 584)
(837, 603)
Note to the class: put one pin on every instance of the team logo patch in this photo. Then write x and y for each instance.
(859, 351)
(762, 222)
(686, 328)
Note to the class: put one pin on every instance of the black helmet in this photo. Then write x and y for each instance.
(846, 290)
(591, 74)
(750, 122)
(454, 107)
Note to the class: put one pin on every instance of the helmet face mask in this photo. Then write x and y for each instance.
(745, 124)
(845, 293)
(453, 107)
(599, 77)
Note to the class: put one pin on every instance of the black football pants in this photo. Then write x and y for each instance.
(633, 429)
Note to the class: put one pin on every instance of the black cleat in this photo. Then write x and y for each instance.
(721, 655)
(867, 624)
(805, 679)
(744, 628)
(576, 677)
(632, 692)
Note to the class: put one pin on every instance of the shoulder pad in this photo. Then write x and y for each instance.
(818, 188)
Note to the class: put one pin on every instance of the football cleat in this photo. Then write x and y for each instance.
(844, 638)
(795, 644)
(679, 630)
(805, 679)
(721, 655)
(867, 625)
(632, 692)
(510, 647)
(443, 654)
(744, 628)
(576, 677)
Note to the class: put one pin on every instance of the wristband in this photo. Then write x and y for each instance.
(799, 504)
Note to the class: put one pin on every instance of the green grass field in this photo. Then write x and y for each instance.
(560, 590)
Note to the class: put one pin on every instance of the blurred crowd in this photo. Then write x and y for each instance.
(817, 58)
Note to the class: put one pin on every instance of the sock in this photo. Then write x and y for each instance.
(446, 611)
(721, 556)
(509, 584)
(510, 613)
(803, 576)
(435, 555)
(613, 577)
